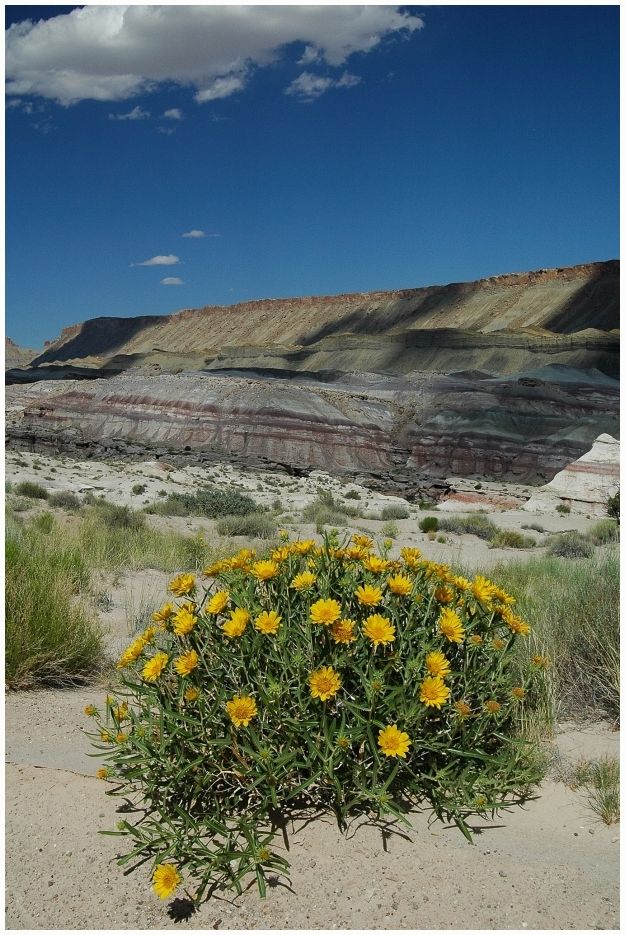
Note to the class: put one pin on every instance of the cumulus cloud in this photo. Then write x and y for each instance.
(168, 260)
(308, 87)
(137, 113)
(113, 53)
(172, 281)
(173, 114)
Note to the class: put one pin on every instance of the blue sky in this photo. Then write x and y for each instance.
(318, 151)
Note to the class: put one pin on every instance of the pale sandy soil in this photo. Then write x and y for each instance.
(550, 865)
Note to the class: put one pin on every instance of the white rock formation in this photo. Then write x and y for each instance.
(585, 484)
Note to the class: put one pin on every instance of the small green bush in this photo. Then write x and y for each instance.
(563, 508)
(30, 489)
(294, 682)
(116, 516)
(613, 506)
(213, 502)
(352, 495)
(64, 499)
(139, 489)
(535, 526)
(428, 524)
(570, 545)
(474, 524)
(395, 511)
(390, 530)
(511, 539)
(606, 530)
(258, 525)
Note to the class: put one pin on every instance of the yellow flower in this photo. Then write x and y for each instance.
(187, 662)
(303, 546)
(324, 683)
(214, 569)
(515, 623)
(363, 541)
(411, 556)
(503, 596)
(184, 621)
(434, 692)
(121, 737)
(463, 584)
(379, 629)
(265, 570)
(281, 553)
(450, 625)
(217, 602)
(476, 639)
(374, 564)
(325, 611)
(165, 880)
(102, 773)
(191, 694)
(131, 654)
(343, 630)
(268, 622)
(241, 710)
(304, 580)
(154, 666)
(91, 710)
(148, 635)
(239, 619)
(437, 664)
(356, 552)
(393, 742)
(444, 595)
(182, 585)
(492, 706)
(162, 615)
(399, 584)
(106, 737)
(542, 662)
(368, 595)
(499, 644)
(463, 709)
(242, 559)
(483, 589)
(518, 692)
(121, 712)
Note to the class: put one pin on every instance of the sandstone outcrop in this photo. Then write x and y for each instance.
(585, 484)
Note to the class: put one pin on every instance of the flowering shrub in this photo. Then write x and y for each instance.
(333, 677)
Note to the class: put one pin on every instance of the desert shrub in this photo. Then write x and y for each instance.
(116, 516)
(427, 505)
(600, 780)
(390, 530)
(475, 524)
(352, 495)
(606, 530)
(563, 508)
(213, 502)
(139, 489)
(327, 678)
(64, 499)
(573, 608)
(613, 506)
(50, 636)
(28, 488)
(258, 525)
(428, 524)
(322, 514)
(395, 511)
(570, 545)
(536, 527)
(168, 507)
(511, 539)
(21, 504)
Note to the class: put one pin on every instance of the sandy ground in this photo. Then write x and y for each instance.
(550, 865)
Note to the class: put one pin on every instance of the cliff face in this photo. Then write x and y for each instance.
(511, 377)
(16, 356)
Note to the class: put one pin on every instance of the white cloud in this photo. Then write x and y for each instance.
(195, 233)
(113, 53)
(168, 260)
(166, 130)
(309, 87)
(137, 113)
(173, 114)
(172, 281)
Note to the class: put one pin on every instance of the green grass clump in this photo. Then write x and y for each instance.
(286, 685)
(573, 608)
(28, 488)
(208, 501)
(429, 524)
(324, 511)
(390, 530)
(570, 545)
(65, 500)
(395, 511)
(511, 539)
(139, 489)
(474, 524)
(600, 779)
(51, 636)
(254, 525)
(606, 530)
(563, 508)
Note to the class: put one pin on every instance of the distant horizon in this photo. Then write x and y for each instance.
(318, 295)
(163, 157)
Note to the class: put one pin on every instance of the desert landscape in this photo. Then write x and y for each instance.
(312, 468)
